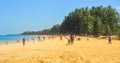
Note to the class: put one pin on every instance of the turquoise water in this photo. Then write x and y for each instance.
(4, 38)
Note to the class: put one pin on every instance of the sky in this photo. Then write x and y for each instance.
(17, 16)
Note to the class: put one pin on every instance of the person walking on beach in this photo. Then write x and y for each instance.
(60, 37)
(6, 42)
(71, 38)
(86, 34)
(33, 39)
(109, 40)
(17, 41)
(43, 37)
(24, 41)
(88, 38)
(38, 38)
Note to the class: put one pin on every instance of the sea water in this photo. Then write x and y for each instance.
(10, 38)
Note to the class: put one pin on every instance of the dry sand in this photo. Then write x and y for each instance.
(57, 51)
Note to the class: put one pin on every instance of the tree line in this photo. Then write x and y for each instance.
(95, 21)
(53, 30)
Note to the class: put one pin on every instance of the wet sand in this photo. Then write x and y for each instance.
(57, 51)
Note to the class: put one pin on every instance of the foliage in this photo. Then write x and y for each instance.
(53, 30)
(95, 21)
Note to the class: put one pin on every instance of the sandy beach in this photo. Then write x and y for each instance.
(57, 51)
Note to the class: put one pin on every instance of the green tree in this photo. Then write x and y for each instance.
(55, 29)
(97, 21)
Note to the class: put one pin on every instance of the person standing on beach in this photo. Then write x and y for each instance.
(6, 42)
(43, 37)
(33, 39)
(60, 37)
(71, 38)
(38, 38)
(17, 41)
(86, 34)
(88, 38)
(109, 40)
(24, 41)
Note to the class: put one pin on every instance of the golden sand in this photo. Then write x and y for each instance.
(57, 51)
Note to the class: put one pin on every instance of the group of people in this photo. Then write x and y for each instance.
(72, 38)
(24, 40)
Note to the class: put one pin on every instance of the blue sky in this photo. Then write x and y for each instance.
(17, 16)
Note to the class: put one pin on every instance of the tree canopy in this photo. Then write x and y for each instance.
(96, 21)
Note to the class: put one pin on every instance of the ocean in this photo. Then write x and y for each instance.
(10, 38)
